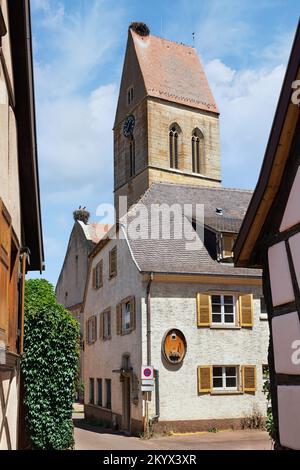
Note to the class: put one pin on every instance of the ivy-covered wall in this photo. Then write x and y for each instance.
(49, 366)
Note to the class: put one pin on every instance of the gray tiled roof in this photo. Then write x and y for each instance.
(170, 255)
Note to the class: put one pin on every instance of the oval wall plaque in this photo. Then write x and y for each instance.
(174, 346)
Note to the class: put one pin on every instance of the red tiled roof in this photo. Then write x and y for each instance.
(173, 72)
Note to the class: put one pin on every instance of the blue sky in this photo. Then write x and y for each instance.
(78, 55)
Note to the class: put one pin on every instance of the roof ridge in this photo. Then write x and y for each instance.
(156, 36)
(221, 188)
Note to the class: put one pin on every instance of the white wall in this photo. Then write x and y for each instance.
(174, 306)
(102, 357)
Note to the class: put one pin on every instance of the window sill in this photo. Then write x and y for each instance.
(127, 332)
(225, 327)
(99, 406)
(227, 392)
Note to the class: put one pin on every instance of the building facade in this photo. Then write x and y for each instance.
(20, 221)
(127, 319)
(71, 282)
(269, 239)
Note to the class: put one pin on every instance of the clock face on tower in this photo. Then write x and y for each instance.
(128, 126)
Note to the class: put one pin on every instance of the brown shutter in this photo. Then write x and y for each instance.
(249, 378)
(132, 314)
(5, 249)
(94, 328)
(119, 318)
(101, 334)
(204, 379)
(113, 262)
(87, 331)
(246, 310)
(203, 310)
(101, 273)
(109, 323)
(94, 278)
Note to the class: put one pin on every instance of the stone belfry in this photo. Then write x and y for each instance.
(167, 123)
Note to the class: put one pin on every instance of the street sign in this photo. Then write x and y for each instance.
(147, 373)
(147, 387)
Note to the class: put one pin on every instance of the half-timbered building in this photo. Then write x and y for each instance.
(270, 239)
(21, 246)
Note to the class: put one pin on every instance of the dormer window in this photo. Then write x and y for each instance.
(227, 243)
(130, 95)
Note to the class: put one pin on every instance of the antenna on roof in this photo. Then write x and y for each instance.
(193, 34)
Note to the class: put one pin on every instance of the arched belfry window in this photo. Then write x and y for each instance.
(132, 156)
(174, 135)
(198, 152)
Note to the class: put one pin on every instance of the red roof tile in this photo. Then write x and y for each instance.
(173, 72)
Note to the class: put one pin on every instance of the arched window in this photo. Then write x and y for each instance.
(132, 157)
(197, 152)
(174, 145)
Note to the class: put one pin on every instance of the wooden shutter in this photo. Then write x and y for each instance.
(203, 310)
(246, 310)
(113, 262)
(5, 250)
(249, 378)
(119, 318)
(204, 379)
(94, 320)
(101, 334)
(100, 267)
(132, 313)
(94, 278)
(87, 331)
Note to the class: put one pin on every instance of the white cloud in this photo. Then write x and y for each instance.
(247, 100)
(37, 5)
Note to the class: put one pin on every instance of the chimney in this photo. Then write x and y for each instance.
(81, 214)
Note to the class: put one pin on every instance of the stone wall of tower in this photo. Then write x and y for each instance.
(121, 147)
(161, 115)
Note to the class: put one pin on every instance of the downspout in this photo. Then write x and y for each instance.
(148, 315)
(156, 372)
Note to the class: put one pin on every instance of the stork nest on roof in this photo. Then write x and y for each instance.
(140, 28)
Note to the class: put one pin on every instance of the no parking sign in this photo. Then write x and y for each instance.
(147, 373)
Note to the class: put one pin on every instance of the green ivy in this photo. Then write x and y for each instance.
(49, 365)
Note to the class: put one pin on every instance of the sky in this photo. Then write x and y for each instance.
(79, 49)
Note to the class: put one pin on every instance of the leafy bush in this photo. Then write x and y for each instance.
(270, 426)
(49, 365)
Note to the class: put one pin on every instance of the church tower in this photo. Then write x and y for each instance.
(167, 123)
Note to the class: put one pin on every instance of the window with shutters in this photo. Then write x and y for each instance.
(225, 378)
(98, 275)
(105, 324)
(113, 262)
(126, 316)
(223, 309)
(92, 392)
(91, 329)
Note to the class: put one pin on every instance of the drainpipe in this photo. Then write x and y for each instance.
(148, 307)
